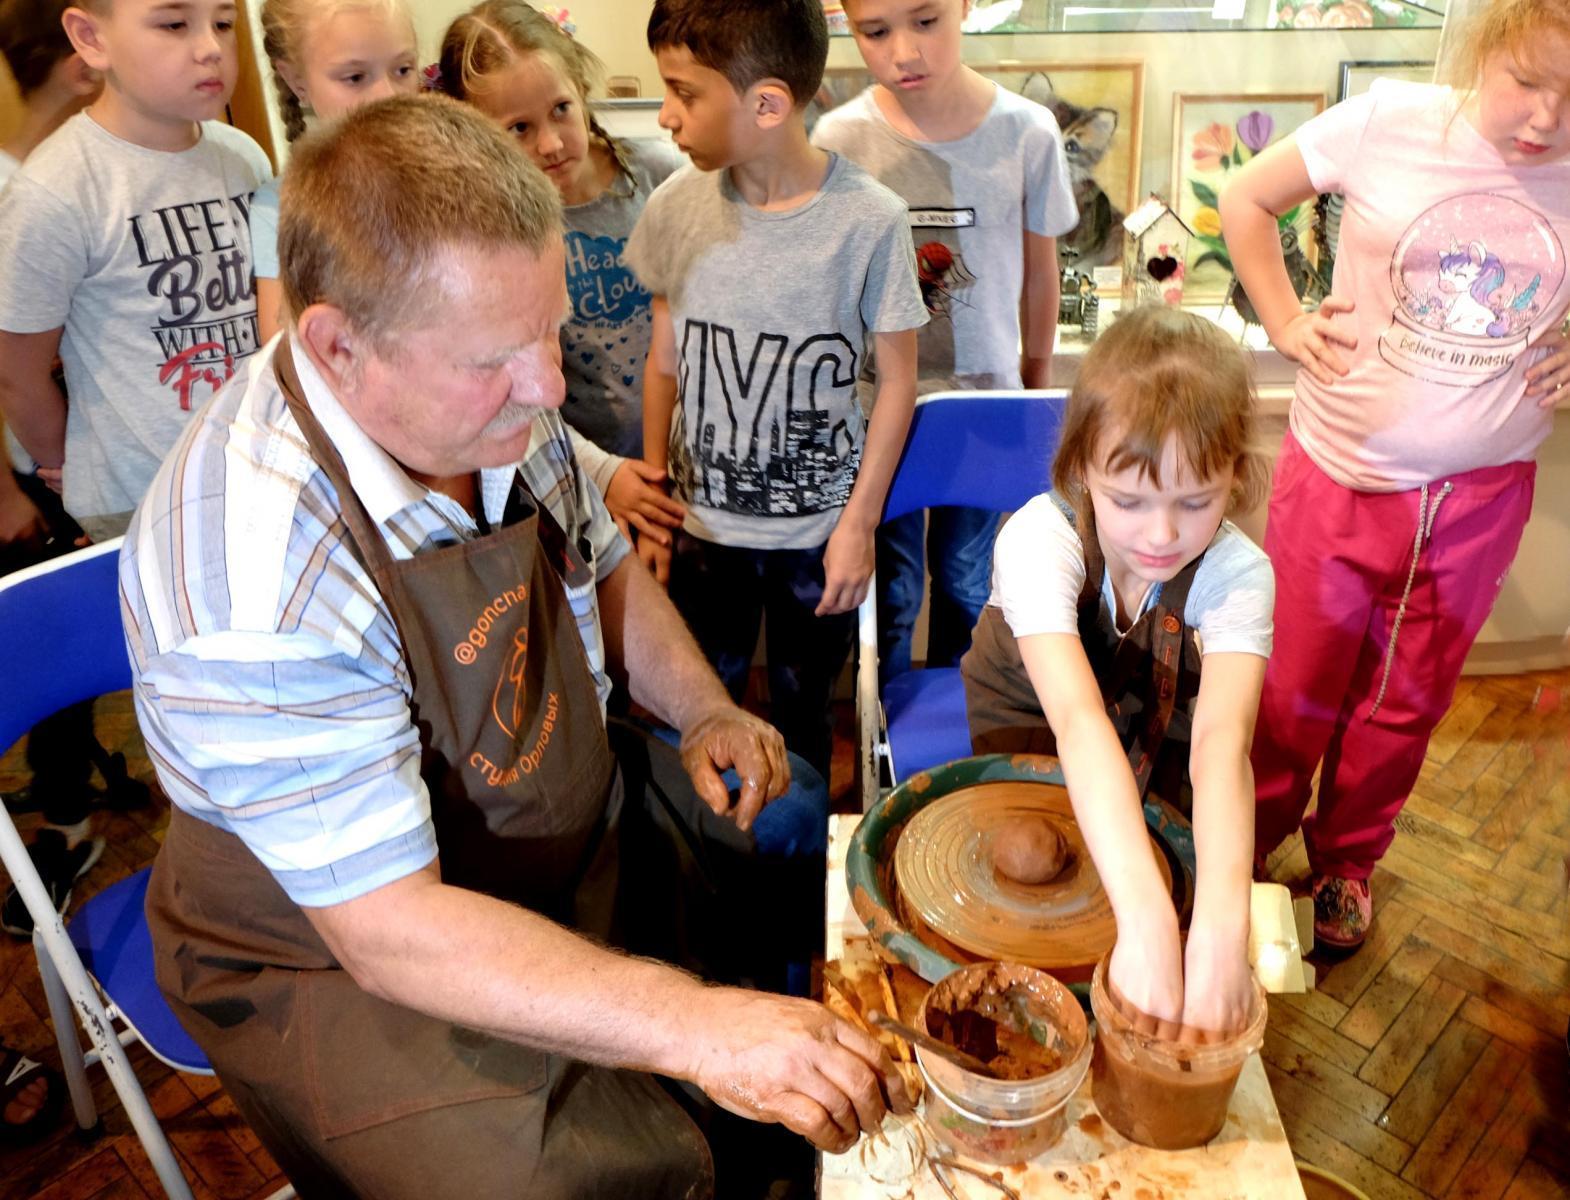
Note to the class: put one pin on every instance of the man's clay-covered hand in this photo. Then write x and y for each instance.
(732, 737)
(778, 1059)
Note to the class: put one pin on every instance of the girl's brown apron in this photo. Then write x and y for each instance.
(1149, 680)
(355, 1096)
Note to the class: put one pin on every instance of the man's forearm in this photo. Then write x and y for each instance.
(476, 961)
(664, 668)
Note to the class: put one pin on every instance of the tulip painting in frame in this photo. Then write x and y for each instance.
(1212, 137)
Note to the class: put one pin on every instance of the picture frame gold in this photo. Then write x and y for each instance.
(1213, 135)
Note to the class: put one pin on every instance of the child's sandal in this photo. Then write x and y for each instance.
(17, 1071)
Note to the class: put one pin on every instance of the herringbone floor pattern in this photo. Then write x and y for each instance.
(1431, 1063)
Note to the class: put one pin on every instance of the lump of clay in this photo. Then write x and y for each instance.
(1028, 850)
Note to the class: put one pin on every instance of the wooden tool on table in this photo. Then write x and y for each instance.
(927, 1042)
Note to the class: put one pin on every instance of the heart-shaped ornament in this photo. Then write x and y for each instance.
(1163, 268)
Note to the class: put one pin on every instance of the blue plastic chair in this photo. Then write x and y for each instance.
(985, 450)
(61, 642)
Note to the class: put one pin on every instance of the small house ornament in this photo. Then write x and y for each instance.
(1153, 254)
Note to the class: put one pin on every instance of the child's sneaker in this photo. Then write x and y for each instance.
(1343, 911)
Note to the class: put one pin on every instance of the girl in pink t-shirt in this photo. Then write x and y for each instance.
(1426, 385)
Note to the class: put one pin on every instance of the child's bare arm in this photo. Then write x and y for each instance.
(1266, 187)
(659, 387)
(30, 400)
(659, 405)
(20, 520)
(1146, 962)
(269, 308)
(848, 558)
(1217, 991)
(1038, 310)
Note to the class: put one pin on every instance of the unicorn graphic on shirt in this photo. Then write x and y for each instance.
(1468, 278)
(1467, 303)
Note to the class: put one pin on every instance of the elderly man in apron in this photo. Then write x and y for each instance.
(374, 610)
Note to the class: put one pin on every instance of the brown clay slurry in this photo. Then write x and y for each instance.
(997, 1018)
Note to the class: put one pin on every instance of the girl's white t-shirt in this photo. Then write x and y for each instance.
(1455, 260)
(1038, 569)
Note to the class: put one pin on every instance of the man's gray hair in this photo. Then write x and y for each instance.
(373, 204)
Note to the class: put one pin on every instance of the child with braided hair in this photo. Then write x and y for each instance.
(328, 56)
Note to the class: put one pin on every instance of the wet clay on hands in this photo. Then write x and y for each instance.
(1029, 850)
(1151, 1081)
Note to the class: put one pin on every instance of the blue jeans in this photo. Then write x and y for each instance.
(797, 824)
(959, 542)
(725, 593)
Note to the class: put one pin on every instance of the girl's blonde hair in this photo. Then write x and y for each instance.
(285, 24)
(1513, 25)
(495, 33)
(1159, 373)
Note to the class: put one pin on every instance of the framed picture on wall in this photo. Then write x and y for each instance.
(1098, 106)
(1358, 76)
(1212, 137)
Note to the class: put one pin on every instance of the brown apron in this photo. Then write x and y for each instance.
(1149, 680)
(355, 1096)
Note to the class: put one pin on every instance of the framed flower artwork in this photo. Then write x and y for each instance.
(1212, 137)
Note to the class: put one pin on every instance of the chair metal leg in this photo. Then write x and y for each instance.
(66, 1037)
(867, 705)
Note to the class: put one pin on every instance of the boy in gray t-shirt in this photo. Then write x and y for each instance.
(771, 263)
(139, 260)
(987, 188)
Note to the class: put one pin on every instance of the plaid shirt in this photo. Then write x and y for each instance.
(270, 683)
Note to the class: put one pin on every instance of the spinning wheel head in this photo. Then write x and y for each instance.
(944, 870)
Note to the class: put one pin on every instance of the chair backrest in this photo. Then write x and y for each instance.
(988, 450)
(61, 638)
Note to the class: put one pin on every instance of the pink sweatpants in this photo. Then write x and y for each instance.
(1342, 560)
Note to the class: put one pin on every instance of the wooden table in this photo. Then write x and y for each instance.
(1249, 1158)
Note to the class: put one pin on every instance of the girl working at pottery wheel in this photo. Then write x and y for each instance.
(1127, 633)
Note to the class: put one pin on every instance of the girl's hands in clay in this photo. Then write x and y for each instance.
(1310, 340)
(778, 1059)
(1145, 976)
(1218, 986)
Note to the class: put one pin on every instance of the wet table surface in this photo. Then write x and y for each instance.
(1249, 1158)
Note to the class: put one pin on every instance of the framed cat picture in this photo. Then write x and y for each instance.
(1098, 106)
(1212, 137)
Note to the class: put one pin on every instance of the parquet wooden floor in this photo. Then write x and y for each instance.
(1432, 1063)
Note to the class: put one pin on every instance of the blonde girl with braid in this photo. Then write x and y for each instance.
(522, 67)
(328, 57)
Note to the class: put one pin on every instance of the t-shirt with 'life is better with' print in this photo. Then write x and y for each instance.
(143, 258)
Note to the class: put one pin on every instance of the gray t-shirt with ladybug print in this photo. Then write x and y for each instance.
(605, 343)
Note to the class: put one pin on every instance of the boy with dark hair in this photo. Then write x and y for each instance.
(771, 263)
(984, 177)
(125, 251)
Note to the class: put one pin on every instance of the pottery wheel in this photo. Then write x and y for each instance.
(943, 868)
